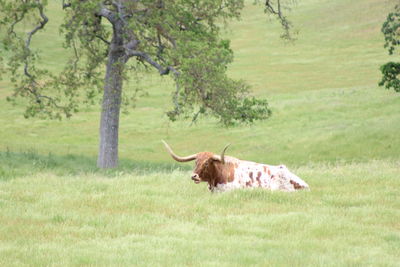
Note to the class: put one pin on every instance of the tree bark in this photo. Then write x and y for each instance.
(109, 123)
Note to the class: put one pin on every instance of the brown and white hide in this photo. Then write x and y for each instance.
(224, 173)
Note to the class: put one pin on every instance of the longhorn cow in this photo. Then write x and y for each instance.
(224, 173)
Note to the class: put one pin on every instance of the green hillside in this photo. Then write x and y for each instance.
(331, 124)
(322, 90)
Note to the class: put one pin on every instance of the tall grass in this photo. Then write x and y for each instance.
(350, 217)
(30, 162)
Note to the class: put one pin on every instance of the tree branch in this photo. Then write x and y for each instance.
(17, 20)
(41, 25)
(103, 39)
(282, 19)
(144, 56)
(108, 14)
(31, 88)
(162, 70)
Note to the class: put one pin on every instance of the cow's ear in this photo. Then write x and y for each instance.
(215, 160)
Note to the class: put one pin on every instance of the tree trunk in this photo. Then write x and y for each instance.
(109, 124)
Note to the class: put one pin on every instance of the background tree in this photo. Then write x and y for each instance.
(178, 37)
(391, 31)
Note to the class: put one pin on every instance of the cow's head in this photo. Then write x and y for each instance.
(208, 168)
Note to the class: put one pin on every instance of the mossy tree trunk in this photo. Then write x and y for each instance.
(109, 122)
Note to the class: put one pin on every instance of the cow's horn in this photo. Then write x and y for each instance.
(222, 157)
(176, 157)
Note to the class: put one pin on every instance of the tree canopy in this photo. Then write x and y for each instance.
(391, 31)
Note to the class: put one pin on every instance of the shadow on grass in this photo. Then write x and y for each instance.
(17, 164)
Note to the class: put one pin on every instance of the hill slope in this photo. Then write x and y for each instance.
(322, 90)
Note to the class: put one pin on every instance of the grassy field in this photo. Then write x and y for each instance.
(331, 124)
(156, 218)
